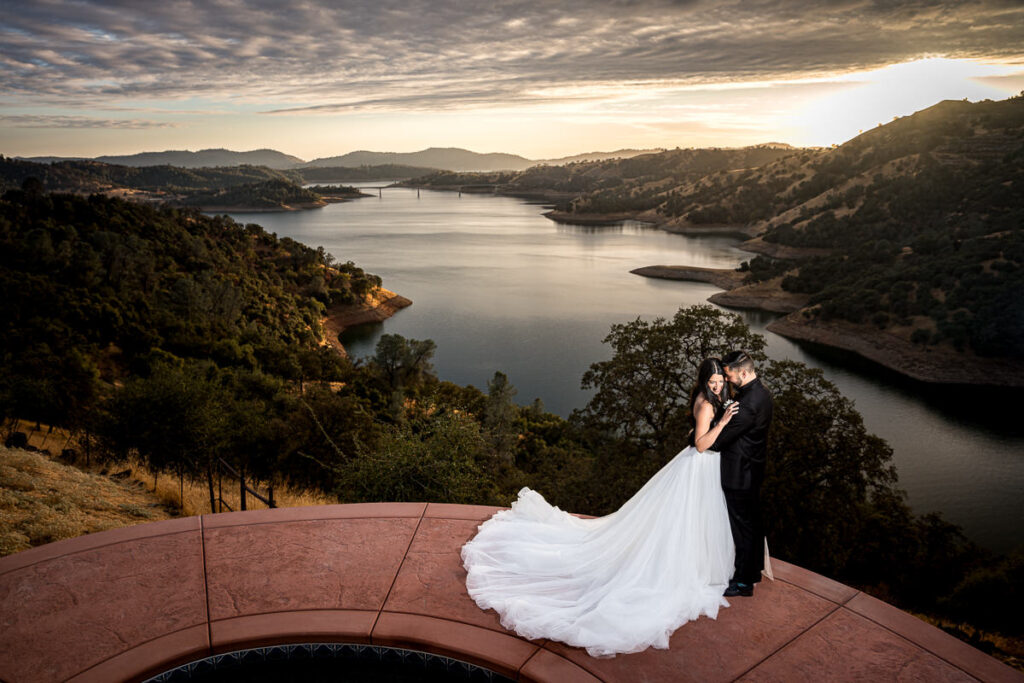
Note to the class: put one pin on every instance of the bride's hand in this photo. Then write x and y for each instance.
(730, 410)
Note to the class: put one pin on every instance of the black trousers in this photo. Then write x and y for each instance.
(747, 533)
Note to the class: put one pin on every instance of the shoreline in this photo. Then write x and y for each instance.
(767, 295)
(930, 364)
(568, 218)
(379, 306)
(720, 277)
(762, 296)
(283, 208)
(936, 365)
(148, 197)
(531, 195)
(742, 232)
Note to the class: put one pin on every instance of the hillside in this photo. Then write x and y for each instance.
(83, 177)
(108, 288)
(350, 174)
(906, 242)
(205, 158)
(250, 188)
(450, 158)
(598, 156)
(42, 500)
(632, 184)
(268, 195)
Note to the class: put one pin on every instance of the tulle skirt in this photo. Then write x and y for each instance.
(614, 584)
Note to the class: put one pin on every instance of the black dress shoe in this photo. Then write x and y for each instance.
(743, 589)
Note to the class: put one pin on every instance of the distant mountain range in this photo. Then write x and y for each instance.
(206, 158)
(449, 158)
(445, 159)
(599, 156)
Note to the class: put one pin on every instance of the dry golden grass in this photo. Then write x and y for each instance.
(196, 498)
(43, 499)
(1008, 649)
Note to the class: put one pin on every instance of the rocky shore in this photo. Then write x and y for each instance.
(765, 296)
(926, 363)
(936, 364)
(719, 277)
(281, 208)
(377, 307)
(683, 228)
(570, 218)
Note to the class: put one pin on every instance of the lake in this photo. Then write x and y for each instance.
(500, 287)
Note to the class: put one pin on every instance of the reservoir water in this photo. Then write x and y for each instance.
(500, 287)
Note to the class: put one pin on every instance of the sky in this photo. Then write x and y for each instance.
(539, 78)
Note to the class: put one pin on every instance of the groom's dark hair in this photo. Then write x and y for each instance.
(738, 360)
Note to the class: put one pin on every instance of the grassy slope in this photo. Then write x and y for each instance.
(43, 499)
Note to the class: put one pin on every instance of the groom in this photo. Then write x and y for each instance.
(742, 444)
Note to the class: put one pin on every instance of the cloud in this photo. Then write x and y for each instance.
(47, 121)
(319, 56)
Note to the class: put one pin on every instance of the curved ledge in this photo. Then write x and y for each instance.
(130, 603)
(151, 658)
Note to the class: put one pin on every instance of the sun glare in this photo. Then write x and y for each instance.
(862, 100)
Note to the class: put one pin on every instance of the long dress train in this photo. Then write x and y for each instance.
(614, 584)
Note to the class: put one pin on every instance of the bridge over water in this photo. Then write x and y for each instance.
(468, 189)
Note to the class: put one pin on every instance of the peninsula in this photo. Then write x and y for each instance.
(377, 306)
(214, 190)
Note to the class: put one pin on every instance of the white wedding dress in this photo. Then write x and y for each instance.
(614, 584)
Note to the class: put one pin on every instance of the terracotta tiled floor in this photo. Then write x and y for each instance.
(129, 603)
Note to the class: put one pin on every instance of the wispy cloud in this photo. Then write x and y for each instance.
(52, 121)
(319, 56)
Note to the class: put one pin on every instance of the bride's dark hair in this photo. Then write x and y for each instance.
(709, 367)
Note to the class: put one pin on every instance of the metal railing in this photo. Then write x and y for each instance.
(224, 467)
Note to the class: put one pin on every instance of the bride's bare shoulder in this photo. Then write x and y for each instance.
(701, 405)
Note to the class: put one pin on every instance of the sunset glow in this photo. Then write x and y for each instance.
(867, 99)
(538, 79)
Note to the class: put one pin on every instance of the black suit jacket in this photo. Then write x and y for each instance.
(744, 439)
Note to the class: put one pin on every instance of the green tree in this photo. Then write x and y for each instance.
(403, 362)
(501, 415)
(403, 365)
(825, 472)
(643, 392)
(439, 458)
(176, 420)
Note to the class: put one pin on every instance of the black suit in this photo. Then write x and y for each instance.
(743, 445)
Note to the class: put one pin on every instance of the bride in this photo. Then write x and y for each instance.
(623, 582)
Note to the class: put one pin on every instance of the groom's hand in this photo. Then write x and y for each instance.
(741, 422)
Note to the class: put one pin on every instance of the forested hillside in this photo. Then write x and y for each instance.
(105, 288)
(348, 174)
(914, 229)
(633, 184)
(917, 226)
(93, 176)
(254, 188)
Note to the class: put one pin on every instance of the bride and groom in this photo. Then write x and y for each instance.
(690, 537)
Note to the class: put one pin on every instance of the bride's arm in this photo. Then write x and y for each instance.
(703, 414)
